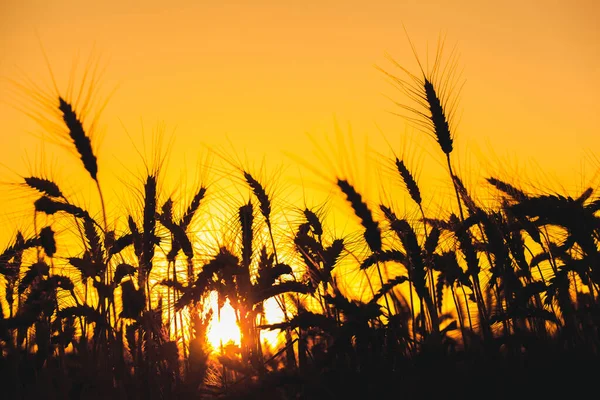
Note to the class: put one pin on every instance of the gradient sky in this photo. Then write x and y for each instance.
(264, 74)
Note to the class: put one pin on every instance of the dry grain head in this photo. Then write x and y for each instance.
(372, 232)
(80, 139)
(43, 185)
(434, 94)
(409, 181)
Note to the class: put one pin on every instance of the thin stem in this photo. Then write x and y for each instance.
(103, 205)
(460, 316)
(429, 270)
(387, 304)
(467, 308)
(460, 210)
(412, 304)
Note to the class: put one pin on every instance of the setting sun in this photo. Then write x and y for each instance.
(223, 327)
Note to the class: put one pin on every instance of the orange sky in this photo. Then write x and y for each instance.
(266, 73)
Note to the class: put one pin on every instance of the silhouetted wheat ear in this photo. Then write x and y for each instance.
(464, 195)
(372, 231)
(121, 243)
(261, 195)
(166, 216)
(507, 188)
(149, 223)
(383, 256)
(585, 195)
(409, 181)
(44, 186)
(438, 118)
(137, 240)
(47, 241)
(408, 237)
(16, 249)
(388, 213)
(246, 217)
(94, 241)
(80, 139)
(314, 222)
(48, 206)
(193, 207)
(388, 286)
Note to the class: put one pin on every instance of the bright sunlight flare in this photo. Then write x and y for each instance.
(223, 327)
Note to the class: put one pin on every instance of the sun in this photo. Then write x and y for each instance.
(223, 327)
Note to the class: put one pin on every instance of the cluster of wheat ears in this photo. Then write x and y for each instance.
(521, 278)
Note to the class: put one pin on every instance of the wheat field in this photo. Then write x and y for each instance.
(484, 299)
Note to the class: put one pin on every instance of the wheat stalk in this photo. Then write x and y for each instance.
(264, 205)
(246, 218)
(44, 186)
(372, 232)
(507, 188)
(192, 208)
(148, 234)
(80, 139)
(83, 145)
(313, 220)
(409, 182)
(261, 195)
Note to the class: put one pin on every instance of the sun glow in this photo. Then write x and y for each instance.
(273, 314)
(223, 327)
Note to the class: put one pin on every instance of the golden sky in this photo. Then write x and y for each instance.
(264, 74)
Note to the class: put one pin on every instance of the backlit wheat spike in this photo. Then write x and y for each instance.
(80, 139)
(409, 181)
(464, 195)
(246, 217)
(314, 222)
(441, 127)
(94, 241)
(193, 207)
(47, 241)
(388, 213)
(149, 222)
(260, 193)
(48, 206)
(507, 188)
(44, 186)
(372, 232)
